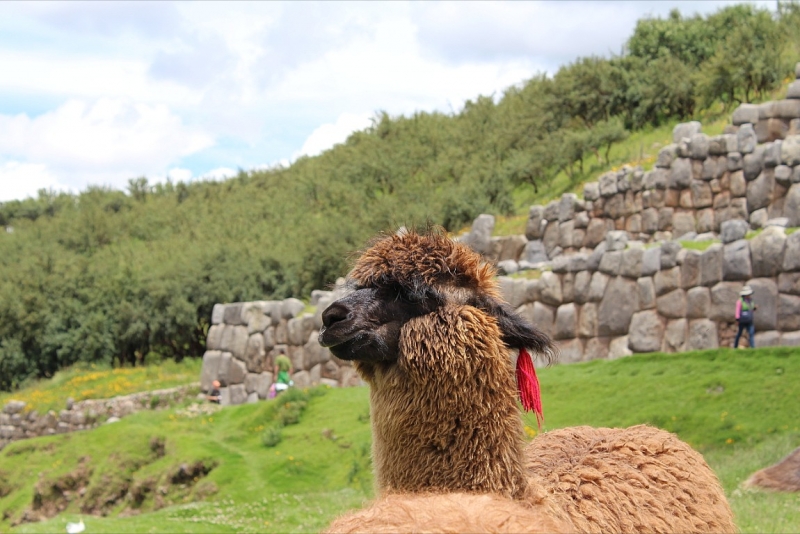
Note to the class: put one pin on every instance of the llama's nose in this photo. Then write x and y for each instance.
(334, 313)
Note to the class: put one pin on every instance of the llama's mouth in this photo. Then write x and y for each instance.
(346, 345)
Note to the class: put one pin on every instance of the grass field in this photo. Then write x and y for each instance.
(98, 382)
(737, 407)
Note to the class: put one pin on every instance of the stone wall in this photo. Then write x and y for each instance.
(18, 423)
(630, 298)
(614, 277)
(245, 338)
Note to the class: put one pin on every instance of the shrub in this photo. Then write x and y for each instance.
(271, 436)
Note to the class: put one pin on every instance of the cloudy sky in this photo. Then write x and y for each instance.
(100, 92)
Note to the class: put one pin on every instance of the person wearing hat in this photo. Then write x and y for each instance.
(744, 316)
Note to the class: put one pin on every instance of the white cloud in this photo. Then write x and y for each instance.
(220, 173)
(177, 174)
(328, 135)
(20, 180)
(113, 138)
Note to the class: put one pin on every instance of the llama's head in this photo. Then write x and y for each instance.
(406, 276)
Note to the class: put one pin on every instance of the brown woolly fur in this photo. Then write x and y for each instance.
(449, 513)
(639, 479)
(783, 476)
(418, 261)
(445, 417)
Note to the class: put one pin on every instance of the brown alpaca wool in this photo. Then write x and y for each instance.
(637, 479)
(426, 329)
(783, 476)
(450, 513)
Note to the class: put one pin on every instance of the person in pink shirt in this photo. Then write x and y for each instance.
(745, 307)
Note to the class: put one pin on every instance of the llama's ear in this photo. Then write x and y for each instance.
(517, 332)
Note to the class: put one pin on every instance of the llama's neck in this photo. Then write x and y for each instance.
(445, 418)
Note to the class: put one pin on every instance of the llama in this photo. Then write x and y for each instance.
(427, 330)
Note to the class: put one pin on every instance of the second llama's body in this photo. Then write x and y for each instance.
(428, 332)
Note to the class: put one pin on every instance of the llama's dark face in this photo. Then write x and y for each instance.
(366, 324)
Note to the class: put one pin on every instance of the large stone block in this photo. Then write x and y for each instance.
(765, 295)
(646, 332)
(237, 394)
(596, 348)
(791, 207)
(591, 191)
(723, 301)
(736, 263)
(651, 261)
(680, 174)
(745, 113)
(790, 150)
(587, 320)
(698, 146)
(768, 339)
(234, 340)
(534, 252)
(789, 339)
(767, 251)
(566, 321)
(669, 254)
(789, 283)
(667, 280)
(675, 335)
(698, 302)
(608, 184)
(252, 316)
(673, 304)
(218, 314)
(210, 369)
(595, 232)
(214, 338)
(610, 263)
(685, 130)
(631, 263)
(581, 285)
(479, 237)
(618, 348)
(255, 354)
(746, 139)
(570, 351)
(702, 196)
(690, 269)
(647, 293)
(702, 335)
(788, 313)
(233, 314)
(550, 284)
(619, 304)
(791, 255)
(236, 372)
(759, 191)
(567, 207)
(683, 222)
(753, 164)
(539, 315)
(666, 156)
(733, 230)
(566, 233)
(597, 288)
(533, 228)
(224, 368)
(551, 238)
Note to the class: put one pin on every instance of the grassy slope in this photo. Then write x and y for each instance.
(97, 382)
(735, 406)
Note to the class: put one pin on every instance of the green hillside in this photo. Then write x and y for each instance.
(116, 277)
(737, 407)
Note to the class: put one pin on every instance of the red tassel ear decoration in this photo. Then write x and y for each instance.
(528, 383)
